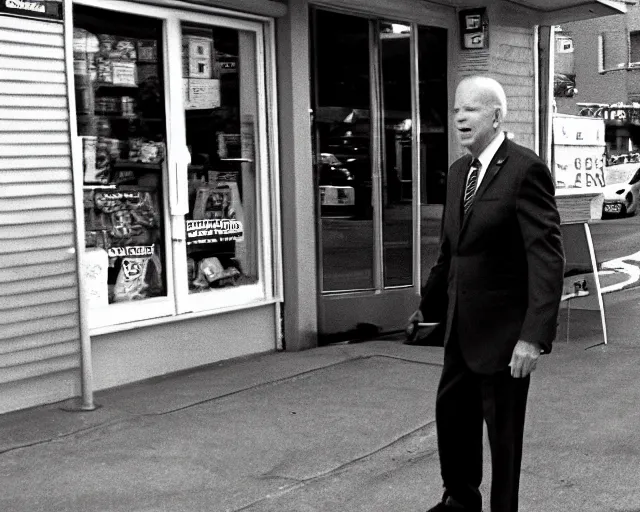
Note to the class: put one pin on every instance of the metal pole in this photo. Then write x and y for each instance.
(86, 365)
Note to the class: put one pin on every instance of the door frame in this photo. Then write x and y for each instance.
(385, 307)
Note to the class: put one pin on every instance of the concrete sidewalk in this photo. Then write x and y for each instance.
(340, 428)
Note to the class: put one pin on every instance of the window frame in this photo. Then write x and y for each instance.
(177, 304)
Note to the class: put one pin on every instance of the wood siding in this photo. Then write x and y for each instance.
(39, 323)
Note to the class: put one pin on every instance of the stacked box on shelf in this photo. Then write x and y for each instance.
(201, 90)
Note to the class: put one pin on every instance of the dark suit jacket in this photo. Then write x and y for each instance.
(500, 269)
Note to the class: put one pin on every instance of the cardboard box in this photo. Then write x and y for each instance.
(197, 57)
(147, 50)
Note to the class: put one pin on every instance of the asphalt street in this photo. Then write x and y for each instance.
(615, 238)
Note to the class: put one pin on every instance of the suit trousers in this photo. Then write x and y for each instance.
(464, 400)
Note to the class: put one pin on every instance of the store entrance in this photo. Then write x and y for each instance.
(379, 114)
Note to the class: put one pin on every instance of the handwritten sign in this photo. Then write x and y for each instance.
(578, 152)
(213, 231)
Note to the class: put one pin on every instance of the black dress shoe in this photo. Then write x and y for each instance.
(441, 507)
(447, 506)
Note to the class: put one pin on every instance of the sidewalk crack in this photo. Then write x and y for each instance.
(300, 483)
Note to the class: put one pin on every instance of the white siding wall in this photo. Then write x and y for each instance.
(510, 60)
(39, 333)
(513, 66)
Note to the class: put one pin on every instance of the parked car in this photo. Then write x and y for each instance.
(564, 85)
(337, 193)
(333, 172)
(622, 192)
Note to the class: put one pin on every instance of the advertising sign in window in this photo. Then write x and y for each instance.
(44, 9)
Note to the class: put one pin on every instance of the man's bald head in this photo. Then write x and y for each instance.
(490, 89)
(479, 109)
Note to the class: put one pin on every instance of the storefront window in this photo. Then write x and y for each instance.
(121, 121)
(220, 106)
(172, 147)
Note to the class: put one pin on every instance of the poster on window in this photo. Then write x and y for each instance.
(578, 152)
(201, 93)
(213, 231)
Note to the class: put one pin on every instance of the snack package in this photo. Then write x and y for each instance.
(147, 50)
(211, 268)
(146, 152)
(138, 278)
(152, 152)
(213, 203)
(124, 49)
(211, 273)
(132, 216)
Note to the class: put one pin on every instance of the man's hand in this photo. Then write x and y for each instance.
(524, 358)
(416, 317)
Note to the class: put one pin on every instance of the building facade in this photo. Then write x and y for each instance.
(182, 184)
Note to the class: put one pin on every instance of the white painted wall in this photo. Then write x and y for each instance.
(139, 354)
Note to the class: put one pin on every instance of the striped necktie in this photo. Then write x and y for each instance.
(472, 182)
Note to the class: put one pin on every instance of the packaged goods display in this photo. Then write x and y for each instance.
(220, 233)
(122, 126)
(121, 122)
(125, 223)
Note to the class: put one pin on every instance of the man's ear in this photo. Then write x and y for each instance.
(497, 117)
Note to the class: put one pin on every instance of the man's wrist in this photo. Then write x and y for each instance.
(535, 345)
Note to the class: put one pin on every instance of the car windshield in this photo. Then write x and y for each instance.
(622, 173)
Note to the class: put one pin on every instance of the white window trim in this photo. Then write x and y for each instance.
(269, 288)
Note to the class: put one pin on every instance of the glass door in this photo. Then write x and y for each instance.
(379, 98)
(119, 75)
(343, 133)
(397, 148)
(218, 139)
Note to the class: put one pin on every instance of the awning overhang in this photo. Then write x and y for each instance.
(551, 12)
(566, 11)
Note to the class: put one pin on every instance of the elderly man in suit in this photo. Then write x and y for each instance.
(496, 286)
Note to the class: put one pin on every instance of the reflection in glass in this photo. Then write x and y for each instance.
(341, 136)
(220, 101)
(432, 79)
(434, 147)
(397, 161)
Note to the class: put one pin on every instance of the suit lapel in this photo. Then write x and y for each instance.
(496, 164)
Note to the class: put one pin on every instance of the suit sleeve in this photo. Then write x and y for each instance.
(434, 303)
(540, 227)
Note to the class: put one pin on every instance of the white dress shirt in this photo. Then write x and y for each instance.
(487, 155)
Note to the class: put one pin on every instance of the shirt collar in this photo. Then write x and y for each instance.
(490, 151)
